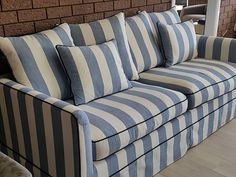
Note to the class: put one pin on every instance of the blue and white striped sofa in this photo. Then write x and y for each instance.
(136, 132)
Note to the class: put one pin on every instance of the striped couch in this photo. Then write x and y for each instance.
(136, 132)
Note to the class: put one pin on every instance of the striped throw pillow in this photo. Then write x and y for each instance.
(35, 62)
(144, 49)
(105, 30)
(95, 71)
(179, 42)
(167, 17)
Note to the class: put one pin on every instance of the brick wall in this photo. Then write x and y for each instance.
(227, 18)
(18, 17)
(194, 2)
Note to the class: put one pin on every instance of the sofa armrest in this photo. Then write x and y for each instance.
(217, 48)
(51, 134)
(194, 9)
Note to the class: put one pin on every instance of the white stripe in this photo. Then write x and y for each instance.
(134, 46)
(209, 44)
(18, 123)
(84, 74)
(32, 130)
(43, 65)
(104, 69)
(147, 41)
(116, 55)
(225, 49)
(88, 34)
(49, 137)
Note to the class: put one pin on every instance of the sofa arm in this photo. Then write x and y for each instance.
(49, 133)
(217, 48)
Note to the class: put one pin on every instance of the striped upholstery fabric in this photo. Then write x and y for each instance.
(154, 152)
(200, 80)
(144, 49)
(122, 118)
(167, 17)
(217, 48)
(178, 41)
(105, 30)
(94, 71)
(51, 134)
(35, 62)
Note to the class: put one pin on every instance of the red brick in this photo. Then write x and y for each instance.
(46, 24)
(83, 9)
(93, 17)
(89, 1)
(160, 7)
(16, 4)
(137, 3)
(131, 12)
(228, 8)
(19, 29)
(149, 2)
(63, 11)
(111, 13)
(45, 3)
(73, 19)
(70, 2)
(31, 15)
(103, 6)
(8, 17)
(146, 8)
(122, 4)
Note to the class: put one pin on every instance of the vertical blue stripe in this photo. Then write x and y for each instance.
(202, 46)
(58, 141)
(180, 44)
(119, 36)
(76, 147)
(62, 34)
(93, 66)
(116, 81)
(77, 35)
(2, 132)
(11, 119)
(97, 29)
(191, 39)
(38, 111)
(232, 51)
(217, 45)
(147, 143)
(141, 43)
(27, 59)
(56, 65)
(25, 126)
(65, 54)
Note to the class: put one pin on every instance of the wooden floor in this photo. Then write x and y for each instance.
(215, 157)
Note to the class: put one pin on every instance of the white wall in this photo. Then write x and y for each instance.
(212, 18)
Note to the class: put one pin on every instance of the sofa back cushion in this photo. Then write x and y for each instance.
(105, 30)
(95, 71)
(179, 42)
(35, 62)
(167, 17)
(144, 50)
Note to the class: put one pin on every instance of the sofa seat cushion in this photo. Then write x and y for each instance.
(200, 80)
(122, 118)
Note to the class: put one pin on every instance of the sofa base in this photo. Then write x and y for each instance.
(167, 144)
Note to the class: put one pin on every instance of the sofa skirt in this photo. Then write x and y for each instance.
(154, 152)
(167, 144)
